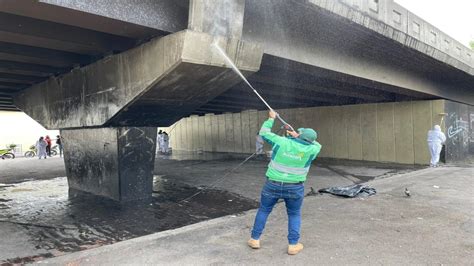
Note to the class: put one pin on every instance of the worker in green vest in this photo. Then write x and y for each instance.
(286, 174)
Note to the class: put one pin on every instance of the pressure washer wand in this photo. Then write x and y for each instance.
(236, 70)
(288, 126)
(285, 124)
(269, 107)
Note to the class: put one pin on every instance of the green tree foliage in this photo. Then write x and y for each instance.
(471, 44)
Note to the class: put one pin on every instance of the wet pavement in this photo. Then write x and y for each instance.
(58, 221)
(41, 218)
(432, 227)
(23, 169)
(202, 169)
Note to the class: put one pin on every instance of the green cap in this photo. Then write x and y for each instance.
(307, 134)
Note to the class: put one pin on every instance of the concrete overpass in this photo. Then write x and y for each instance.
(107, 72)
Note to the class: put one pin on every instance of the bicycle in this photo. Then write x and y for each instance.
(31, 153)
(54, 150)
(6, 154)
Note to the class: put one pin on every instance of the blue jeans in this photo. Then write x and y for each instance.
(293, 196)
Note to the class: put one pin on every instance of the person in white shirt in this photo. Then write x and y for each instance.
(41, 147)
(159, 141)
(165, 142)
(435, 140)
(259, 145)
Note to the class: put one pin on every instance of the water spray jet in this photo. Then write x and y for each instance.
(236, 70)
(285, 124)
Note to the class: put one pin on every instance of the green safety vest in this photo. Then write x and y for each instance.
(291, 158)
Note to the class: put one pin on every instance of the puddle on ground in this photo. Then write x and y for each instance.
(62, 221)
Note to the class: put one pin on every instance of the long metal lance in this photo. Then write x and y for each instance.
(236, 70)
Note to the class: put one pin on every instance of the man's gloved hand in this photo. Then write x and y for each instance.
(272, 114)
(292, 133)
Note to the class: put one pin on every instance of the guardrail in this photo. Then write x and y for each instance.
(402, 19)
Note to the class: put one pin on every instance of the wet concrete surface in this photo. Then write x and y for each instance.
(23, 169)
(57, 221)
(203, 169)
(40, 217)
(432, 227)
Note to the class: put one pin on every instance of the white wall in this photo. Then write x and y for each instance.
(19, 128)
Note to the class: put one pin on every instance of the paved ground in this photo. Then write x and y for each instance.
(208, 169)
(434, 226)
(23, 169)
(32, 193)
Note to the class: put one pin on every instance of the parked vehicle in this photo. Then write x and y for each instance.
(54, 150)
(6, 154)
(32, 152)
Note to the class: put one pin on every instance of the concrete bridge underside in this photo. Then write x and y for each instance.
(106, 77)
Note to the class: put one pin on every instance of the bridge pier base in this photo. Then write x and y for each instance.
(116, 163)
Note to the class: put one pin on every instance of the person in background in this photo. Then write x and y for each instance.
(165, 142)
(60, 145)
(436, 138)
(48, 147)
(259, 144)
(286, 174)
(159, 141)
(41, 145)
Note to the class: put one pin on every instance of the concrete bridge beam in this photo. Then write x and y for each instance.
(108, 111)
(154, 84)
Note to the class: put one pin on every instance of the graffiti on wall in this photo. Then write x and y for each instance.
(458, 126)
(458, 130)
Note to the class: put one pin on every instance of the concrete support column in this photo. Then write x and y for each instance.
(229, 133)
(245, 126)
(254, 127)
(208, 132)
(214, 133)
(217, 17)
(116, 163)
(195, 141)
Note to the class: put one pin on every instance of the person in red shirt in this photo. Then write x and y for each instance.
(48, 147)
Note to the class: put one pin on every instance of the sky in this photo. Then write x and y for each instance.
(453, 17)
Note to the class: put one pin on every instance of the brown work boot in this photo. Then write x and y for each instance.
(295, 249)
(255, 244)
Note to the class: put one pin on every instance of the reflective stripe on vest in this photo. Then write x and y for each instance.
(288, 169)
(264, 130)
